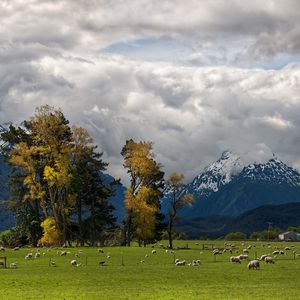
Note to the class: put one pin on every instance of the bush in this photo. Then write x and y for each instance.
(13, 237)
(235, 236)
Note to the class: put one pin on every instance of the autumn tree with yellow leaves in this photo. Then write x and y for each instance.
(56, 170)
(142, 197)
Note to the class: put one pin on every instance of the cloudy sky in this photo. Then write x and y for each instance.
(195, 77)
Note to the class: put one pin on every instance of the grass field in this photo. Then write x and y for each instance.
(156, 278)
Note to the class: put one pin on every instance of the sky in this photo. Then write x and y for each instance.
(194, 77)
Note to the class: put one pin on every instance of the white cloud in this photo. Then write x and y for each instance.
(52, 52)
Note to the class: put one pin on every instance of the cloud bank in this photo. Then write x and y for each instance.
(215, 92)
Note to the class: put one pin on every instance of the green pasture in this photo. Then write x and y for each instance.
(124, 276)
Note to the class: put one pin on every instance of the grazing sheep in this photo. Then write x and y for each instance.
(253, 264)
(167, 251)
(29, 256)
(13, 265)
(180, 263)
(74, 263)
(102, 263)
(76, 255)
(142, 261)
(2, 249)
(63, 253)
(146, 255)
(196, 263)
(275, 252)
(263, 257)
(235, 259)
(16, 248)
(287, 248)
(176, 260)
(243, 257)
(269, 260)
(216, 252)
(249, 247)
(108, 256)
(245, 251)
(153, 251)
(100, 250)
(52, 263)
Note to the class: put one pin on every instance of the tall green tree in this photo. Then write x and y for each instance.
(176, 201)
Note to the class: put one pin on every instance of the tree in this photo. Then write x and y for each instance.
(56, 171)
(142, 197)
(177, 201)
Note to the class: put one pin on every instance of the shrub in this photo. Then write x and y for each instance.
(51, 234)
(13, 237)
(235, 236)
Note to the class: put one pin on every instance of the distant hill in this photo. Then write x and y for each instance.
(281, 216)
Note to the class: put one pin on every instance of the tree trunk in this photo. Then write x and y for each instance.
(79, 218)
(170, 233)
(128, 233)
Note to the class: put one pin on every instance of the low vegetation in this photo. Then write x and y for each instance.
(137, 273)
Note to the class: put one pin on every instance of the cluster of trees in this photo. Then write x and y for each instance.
(58, 194)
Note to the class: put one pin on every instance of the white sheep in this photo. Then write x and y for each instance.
(180, 263)
(2, 249)
(100, 250)
(52, 263)
(16, 248)
(177, 260)
(235, 259)
(13, 265)
(29, 256)
(74, 263)
(63, 253)
(263, 257)
(243, 257)
(276, 252)
(253, 264)
(38, 254)
(245, 251)
(153, 251)
(269, 260)
(216, 252)
(196, 263)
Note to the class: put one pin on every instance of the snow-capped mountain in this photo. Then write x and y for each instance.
(273, 171)
(226, 187)
(216, 175)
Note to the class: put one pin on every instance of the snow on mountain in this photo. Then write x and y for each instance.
(273, 171)
(216, 175)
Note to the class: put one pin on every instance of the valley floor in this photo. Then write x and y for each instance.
(151, 276)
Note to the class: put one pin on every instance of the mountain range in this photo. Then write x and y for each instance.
(225, 191)
(228, 188)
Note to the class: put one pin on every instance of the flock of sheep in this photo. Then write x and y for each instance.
(253, 264)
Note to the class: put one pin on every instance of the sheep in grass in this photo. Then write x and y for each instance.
(52, 263)
(13, 265)
(253, 264)
(2, 249)
(153, 251)
(263, 257)
(74, 263)
(235, 259)
(29, 256)
(63, 253)
(16, 248)
(276, 252)
(100, 250)
(37, 255)
(180, 263)
(269, 260)
(196, 263)
(216, 252)
(246, 251)
(177, 260)
(243, 257)
(287, 248)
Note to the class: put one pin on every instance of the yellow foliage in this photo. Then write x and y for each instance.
(51, 234)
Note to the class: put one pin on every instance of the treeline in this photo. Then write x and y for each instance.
(58, 195)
